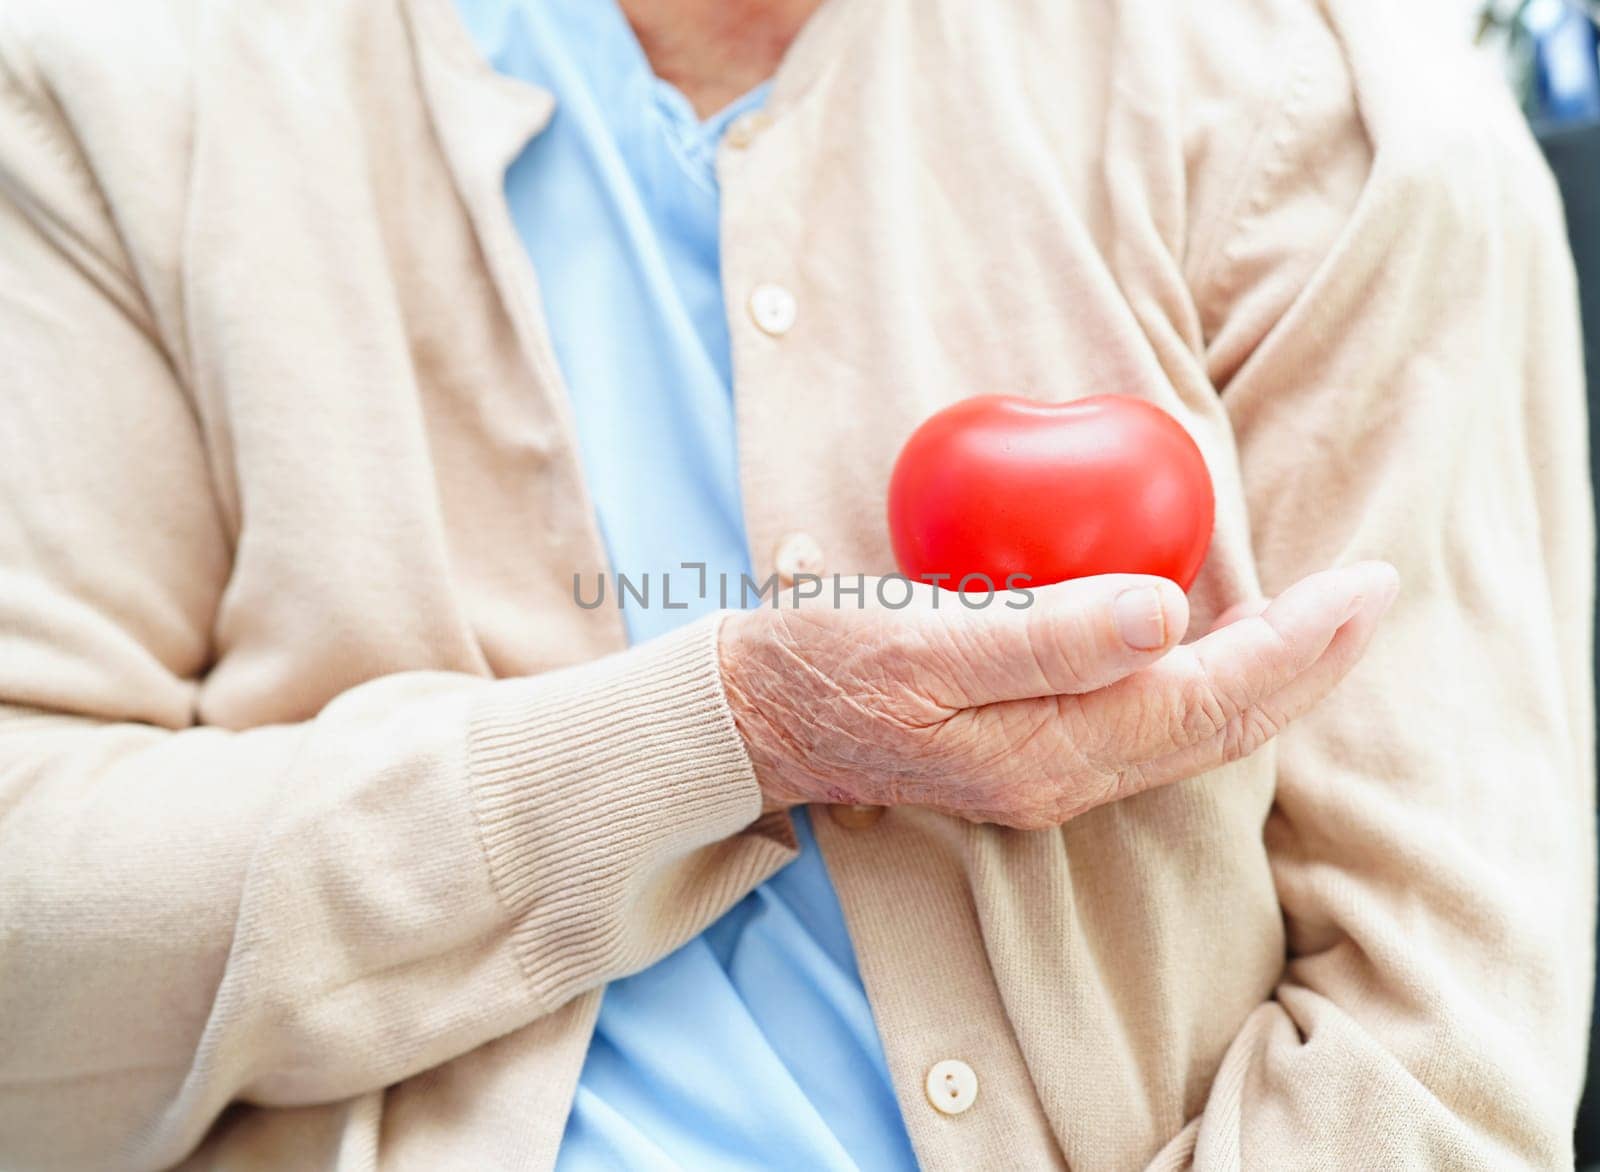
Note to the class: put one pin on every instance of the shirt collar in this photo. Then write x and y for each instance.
(484, 119)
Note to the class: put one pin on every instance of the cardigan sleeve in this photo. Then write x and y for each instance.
(291, 914)
(1393, 329)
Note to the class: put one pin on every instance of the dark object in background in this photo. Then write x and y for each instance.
(1550, 50)
(1564, 78)
(1573, 150)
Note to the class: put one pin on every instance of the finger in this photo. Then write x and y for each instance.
(1252, 729)
(1191, 695)
(1072, 637)
(1247, 609)
(1046, 752)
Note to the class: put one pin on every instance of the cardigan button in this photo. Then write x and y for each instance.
(952, 1086)
(855, 817)
(797, 554)
(745, 129)
(773, 309)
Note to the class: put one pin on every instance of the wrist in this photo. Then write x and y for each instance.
(751, 681)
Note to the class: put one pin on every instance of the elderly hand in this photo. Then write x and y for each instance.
(1028, 717)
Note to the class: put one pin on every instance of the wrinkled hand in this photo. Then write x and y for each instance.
(1028, 717)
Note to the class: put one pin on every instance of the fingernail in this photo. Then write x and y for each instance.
(1140, 617)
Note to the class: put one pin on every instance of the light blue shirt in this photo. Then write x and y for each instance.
(752, 1046)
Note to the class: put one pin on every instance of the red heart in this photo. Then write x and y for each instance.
(1000, 486)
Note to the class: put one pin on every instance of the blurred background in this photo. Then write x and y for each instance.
(1549, 53)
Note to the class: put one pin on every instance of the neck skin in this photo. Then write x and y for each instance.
(715, 51)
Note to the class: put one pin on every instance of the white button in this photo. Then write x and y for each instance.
(952, 1086)
(744, 129)
(772, 308)
(797, 554)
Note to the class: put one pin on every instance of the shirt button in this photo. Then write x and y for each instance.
(797, 554)
(744, 129)
(952, 1086)
(772, 308)
(855, 817)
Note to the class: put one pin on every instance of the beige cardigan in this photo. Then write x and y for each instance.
(311, 858)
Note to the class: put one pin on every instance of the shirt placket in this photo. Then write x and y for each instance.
(901, 875)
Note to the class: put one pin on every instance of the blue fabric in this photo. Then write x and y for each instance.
(753, 1045)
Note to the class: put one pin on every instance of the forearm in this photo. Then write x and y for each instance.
(1432, 849)
(1417, 396)
(302, 913)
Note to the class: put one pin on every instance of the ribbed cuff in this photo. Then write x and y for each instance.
(591, 784)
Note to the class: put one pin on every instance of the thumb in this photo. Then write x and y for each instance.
(1068, 638)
